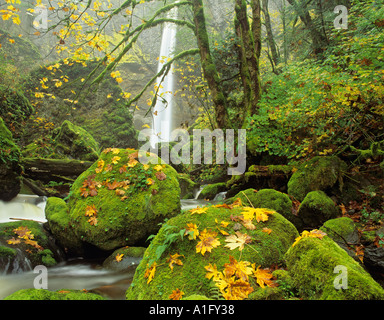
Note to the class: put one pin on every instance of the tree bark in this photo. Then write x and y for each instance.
(209, 67)
(249, 53)
(270, 37)
(53, 170)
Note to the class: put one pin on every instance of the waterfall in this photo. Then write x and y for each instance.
(162, 122)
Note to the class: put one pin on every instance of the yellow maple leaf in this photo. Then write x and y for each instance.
(258, 213)
(310, 234)
(91, 211)
(100, 166)
(150, 272)
(119, 257)
(192, 231)
(158, 167)
(237, 240)
(208, 241)
(199, 210)
(240, 269)
(213, 273)
(115, 160)
(132, 163)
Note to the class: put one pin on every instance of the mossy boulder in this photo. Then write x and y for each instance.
(42, 294)
(316, 209)
(10, 169)
(124, 259)
(187, 186)
(117, 202)
(24, 245)
(319, 173)
(311, 264)
(344, 232)
(74, 142)
(263, 250)
(210, 191)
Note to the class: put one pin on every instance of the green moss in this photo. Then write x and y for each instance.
(10, 170)
(126, 215)
(196, 297)
(211, 190)
(311, 265)
(317, 208)
(319, 173)
(42, 255)
(41, 294)
(75, 142)
(265, 250)
(339, 229)
(6, 252)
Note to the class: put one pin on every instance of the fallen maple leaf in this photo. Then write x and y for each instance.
(258, 213)
(115, 160)
(199, 210)
(158, 168)
(176, 295)
(161, 176)
(119, 257)
(150, 272)
(237, 240)
(14, 241)
(267, 230)
(174, 259)
(24, 233)
(208, 241)
(91, 211)
(263, 277)
(100, 166)
(132, 163)
(213, 273)
(236, 289)
(92, 221)
(192, 231)
(310, 234)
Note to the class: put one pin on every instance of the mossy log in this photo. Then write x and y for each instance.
(53, 169)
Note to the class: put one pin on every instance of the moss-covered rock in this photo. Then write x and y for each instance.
(74, 142)
(311, 264)
(317, 208)
(344, 232)
(124, 258)
(210, 191)
(117, 202)
(319, 173)
(268, 198)
(10, 169)
(187, 186)
(42, 294)
(25, 244)
(263, 250)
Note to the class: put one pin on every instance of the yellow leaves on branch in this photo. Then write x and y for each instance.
(310, 234)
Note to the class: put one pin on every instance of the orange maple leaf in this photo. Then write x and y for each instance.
(176, 295)
(263, 277)
(119, 257)
(173, 259)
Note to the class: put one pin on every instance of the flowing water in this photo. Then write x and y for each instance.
(162, 123)
(76, 274)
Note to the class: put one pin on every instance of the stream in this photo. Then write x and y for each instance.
(74, 274)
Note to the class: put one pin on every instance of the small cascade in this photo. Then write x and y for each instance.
(23, 207)
(162, 123)
(221, 196)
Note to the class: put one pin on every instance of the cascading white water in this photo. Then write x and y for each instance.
(162, 122)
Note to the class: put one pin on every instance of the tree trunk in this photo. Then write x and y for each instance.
(249, 53)
(53, 170)
(319, 42)
(209, 67)
(270, 37)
